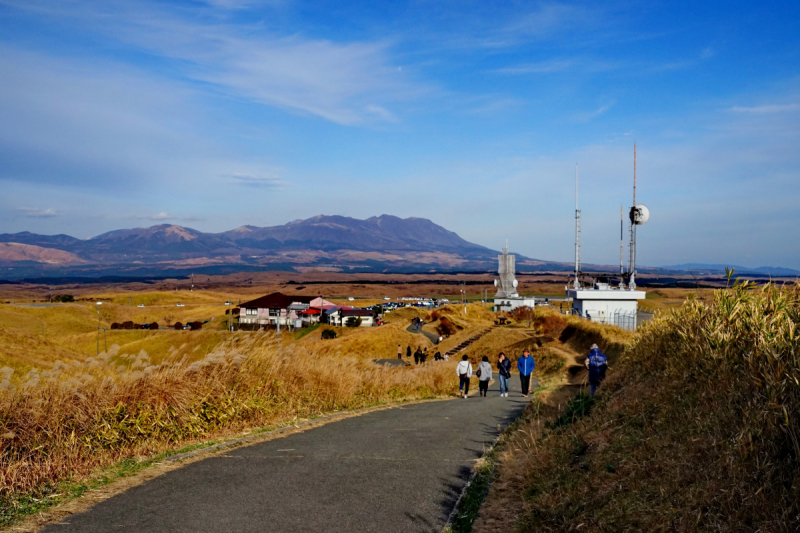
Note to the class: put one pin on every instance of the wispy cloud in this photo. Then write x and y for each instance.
(35, 212)
(590, 115)
(340, 82)
(767, 109)
(158, 217)
(259, 182)
(542, 67)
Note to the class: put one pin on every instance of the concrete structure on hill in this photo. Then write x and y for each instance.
(507, 298)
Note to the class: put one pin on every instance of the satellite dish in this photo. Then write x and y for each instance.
(515, 283)
(639, 214)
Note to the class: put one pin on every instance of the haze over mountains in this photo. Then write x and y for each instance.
(336, 243)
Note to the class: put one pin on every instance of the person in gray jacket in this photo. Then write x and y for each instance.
(484, 374)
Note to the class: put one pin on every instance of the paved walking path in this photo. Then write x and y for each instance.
(398, 469)
(433, 337)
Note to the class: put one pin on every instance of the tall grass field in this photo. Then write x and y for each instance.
(697, 428)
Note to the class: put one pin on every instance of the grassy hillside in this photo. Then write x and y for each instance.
(696, 428)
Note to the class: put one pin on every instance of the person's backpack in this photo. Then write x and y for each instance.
(478, 373)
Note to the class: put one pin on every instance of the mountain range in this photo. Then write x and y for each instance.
(716, 269)
(335, 243)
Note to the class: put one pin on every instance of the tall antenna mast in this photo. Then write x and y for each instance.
(632, 280)
(621, 239)
(577, 233)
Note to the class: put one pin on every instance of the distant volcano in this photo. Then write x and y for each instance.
(335, 243)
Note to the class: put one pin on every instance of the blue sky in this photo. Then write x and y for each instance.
(213, 114)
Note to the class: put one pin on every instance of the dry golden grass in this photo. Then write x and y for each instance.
(66, 422)
(696, 428)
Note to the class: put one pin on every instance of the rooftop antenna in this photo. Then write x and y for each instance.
(576, 284)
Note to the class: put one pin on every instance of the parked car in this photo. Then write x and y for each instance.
(140, 305)
(351, 299)
(180, 305)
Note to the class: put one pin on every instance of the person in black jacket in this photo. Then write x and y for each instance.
(417, 356)
(504, 369)
(408, 351)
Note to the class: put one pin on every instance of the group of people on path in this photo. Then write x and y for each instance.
(525, 366)
(596, 363)
(420, 355)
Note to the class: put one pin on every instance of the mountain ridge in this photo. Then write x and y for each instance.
(331, 242)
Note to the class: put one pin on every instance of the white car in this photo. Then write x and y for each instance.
(386, 298)
(180, 305)
(140, 305)
(351, 299)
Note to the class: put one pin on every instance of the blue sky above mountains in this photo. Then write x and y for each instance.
(473, 114)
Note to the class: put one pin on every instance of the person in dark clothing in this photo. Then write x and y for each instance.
(437, 356)
(525, 365)
(417, 356)
(408, 351)
(504, 369)
(424, 356)
(597, 363)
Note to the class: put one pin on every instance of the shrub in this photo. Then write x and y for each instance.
(127, 325)
(446, 327)
(154, 325)
(353, 322)
(114, 325)
(178, 325)
(328, 334)
(64, 298)
(193, 326)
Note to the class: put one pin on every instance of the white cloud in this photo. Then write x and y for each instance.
(339, 82)
(35, 212)
(260, 182)
(767, 109)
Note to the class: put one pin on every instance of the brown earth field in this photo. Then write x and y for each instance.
(245, 285)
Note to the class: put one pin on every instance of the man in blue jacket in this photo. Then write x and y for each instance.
(525, 365)
(597, 363)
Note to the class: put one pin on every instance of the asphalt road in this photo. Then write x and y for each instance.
(398, 469)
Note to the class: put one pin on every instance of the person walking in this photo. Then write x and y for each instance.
(399, 352)
(504, 369)
(484, 374)
(424, 356)
(408, 351)
(525, 365)
(464, 371)
(597, 363)
(417, 355)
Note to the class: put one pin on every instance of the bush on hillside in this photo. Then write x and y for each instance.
(446, 327)
(328, 334)
(353, 322)
(194, 326)
(178, 325)
(154, 325)
(696, 428)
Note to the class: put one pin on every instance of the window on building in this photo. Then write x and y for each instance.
(251, 312)
(274, 312)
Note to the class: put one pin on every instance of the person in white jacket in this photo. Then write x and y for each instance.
(484, 376)
(464, 371)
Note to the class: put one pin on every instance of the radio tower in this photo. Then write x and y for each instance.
(576, 284)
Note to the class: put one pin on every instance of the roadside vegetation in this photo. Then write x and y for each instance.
(64, 423)
(696, 428)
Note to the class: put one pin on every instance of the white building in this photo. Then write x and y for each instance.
(605, 304)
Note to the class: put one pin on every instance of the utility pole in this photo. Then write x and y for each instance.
(577, 233)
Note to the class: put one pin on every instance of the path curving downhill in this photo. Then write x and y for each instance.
(434, 338)
(394, 470)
